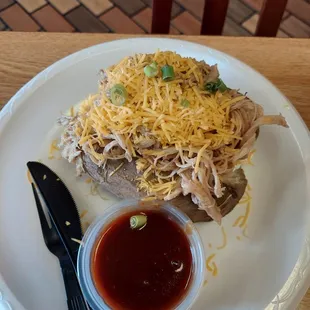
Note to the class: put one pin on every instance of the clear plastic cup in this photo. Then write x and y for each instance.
(112, 213)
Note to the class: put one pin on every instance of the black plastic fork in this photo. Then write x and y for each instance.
(75, 298)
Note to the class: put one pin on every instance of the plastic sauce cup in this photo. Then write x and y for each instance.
(96, 229)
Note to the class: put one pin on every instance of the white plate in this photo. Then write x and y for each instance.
(267, 270)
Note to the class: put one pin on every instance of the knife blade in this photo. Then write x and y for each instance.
(60, 205)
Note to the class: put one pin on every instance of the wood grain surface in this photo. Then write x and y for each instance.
(285, 62)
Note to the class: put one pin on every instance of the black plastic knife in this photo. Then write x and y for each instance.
(75, 298)
(61, 207)
(66, 223)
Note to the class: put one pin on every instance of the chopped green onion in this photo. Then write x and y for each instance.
(185, 103)
(168, 73)
(138, 221)
(151, 70)
(212, 87)
(222, 86)
(118, 94)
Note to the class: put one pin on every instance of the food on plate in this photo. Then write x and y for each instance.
(166, 127)
(135, 265)
(122, 183)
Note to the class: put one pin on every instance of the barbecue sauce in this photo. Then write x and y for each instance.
(143, 269)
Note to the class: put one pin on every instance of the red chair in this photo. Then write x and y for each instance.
(214, 17)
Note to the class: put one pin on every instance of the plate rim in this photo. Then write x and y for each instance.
(300, 275)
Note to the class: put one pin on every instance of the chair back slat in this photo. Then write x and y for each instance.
(214, 16)
(161, 16)
(270, 18)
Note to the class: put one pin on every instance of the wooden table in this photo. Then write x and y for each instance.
(286, 62)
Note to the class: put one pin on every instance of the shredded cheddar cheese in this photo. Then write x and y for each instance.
(208, 261)
(155, 105)
(211, 265)
(224, 239)
(72, 111)
(245, 217)
(246, 198)
(242, 220)
(150, 198)
(238, 221)
(52, 149)
(116, 169)
(250, 157)
(244, 232)
(214, 269)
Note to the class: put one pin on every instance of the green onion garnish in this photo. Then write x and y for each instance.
(168, 73)
(151, 70)
(185, 103)
(138, 221)
(212, 87)
(118, 94)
